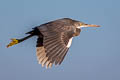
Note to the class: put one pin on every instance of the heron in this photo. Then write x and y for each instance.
(54, 39)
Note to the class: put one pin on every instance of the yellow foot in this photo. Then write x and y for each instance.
(13, 42)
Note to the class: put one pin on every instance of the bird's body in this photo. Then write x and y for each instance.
(54, 39)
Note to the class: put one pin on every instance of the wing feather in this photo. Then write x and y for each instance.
(56, 47)
(56, 41)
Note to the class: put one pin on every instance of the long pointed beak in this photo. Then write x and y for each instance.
(90, 25)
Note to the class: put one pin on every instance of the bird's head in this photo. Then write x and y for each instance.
(81, 24)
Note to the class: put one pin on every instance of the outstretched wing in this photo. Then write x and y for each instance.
(56, 47)
(53, 49)
(57, 38)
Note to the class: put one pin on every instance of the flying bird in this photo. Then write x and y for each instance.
(54, 39)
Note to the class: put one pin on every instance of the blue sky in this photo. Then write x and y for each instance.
(94, 55)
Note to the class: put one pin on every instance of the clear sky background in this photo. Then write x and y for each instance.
(94, 55)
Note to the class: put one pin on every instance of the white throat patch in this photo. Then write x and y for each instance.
(80, 27)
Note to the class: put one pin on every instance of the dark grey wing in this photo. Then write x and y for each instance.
(52, 48)
(56, 46)
(57, 38)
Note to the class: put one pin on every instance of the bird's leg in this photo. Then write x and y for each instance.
(16, 41)
(13, 42)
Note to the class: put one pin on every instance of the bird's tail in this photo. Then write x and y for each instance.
(16, 41)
